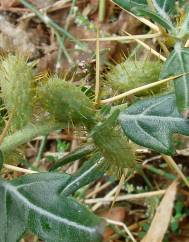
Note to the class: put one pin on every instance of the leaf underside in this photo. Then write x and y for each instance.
(152, 122)
(32, 203)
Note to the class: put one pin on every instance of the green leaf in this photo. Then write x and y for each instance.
(152, 122)
(178, 63)
(90, 171)
(131, 4)
(141, 8)
(32, 203)
(76, 154)
(164, 8)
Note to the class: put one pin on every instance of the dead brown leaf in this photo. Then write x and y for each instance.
(162, 217)
(15, 38)
(7, 4)
(117, 214)
(41, 3)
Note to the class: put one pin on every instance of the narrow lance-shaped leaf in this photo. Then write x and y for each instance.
(152, 122)
(141, 8)
(33, 203)
(76, 154)
(178, 63)
(90, 171)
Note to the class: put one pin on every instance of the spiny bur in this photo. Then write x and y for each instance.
(131, 74)
(118, 153)
(66, 102)
(16, 89)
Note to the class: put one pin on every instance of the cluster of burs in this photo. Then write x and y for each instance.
(28, 98)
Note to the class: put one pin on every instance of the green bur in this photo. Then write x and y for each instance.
(132, 74)
(16, 89)
(66, 102)
(118, 153)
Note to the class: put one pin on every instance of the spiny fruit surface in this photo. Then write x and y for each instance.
(118, 153)
(65, 101)
(131, 74)
(16, 89)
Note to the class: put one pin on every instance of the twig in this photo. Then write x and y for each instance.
(102, 10)
(123, 38)
(53, 7)
(96, 191)
(139, 89)
(141, 19)
(26, 134)
(97, 83)
(187, 44)
(159, 172)
(154, 52)
(111, 193)
(63, 48)
(41, 149)
(119, 187)
(127, 197)
(49, 22)
(174, 166)
(61, 41)
(19, 169)
(6, 128)
(118, 223)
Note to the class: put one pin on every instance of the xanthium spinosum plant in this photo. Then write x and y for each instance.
(36, 107)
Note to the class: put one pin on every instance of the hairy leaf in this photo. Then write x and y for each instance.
(164, 7)
(141, 8)
(76, 154)
(178, 63)
(152, 122)
(184, 30)
(89, 172)
(131, 4)
(33, 203)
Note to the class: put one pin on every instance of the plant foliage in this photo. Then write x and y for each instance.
(152, 122)
(26, 205)
(43, 203)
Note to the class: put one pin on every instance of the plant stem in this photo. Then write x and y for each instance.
(41, 149)
(28, 133)
(124, 38)
(102, 10)
(97, 83)
(159, 172)
(128, 197)
(154, 52)
(49, 22)
(139, 89)
(122, 225)
(19, 169)
(174, 166)
(62, 39)
(6, 128)
(143, 20)
(63, 48)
